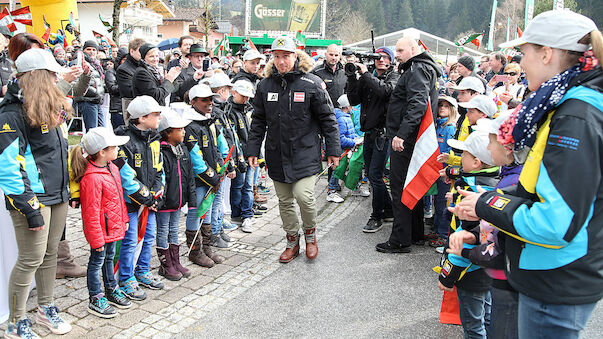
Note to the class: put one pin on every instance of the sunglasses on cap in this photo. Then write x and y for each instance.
(511, 73)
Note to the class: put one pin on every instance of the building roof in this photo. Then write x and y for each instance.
(186, 14)
(224, 26)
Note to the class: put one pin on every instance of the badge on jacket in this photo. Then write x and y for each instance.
(299, 96)
(205, 141)
(272, 96)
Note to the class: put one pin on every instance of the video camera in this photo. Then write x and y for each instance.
(366, 58)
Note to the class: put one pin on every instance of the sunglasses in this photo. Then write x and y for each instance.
(511, 73)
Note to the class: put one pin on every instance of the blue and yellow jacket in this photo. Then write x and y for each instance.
(33, 170)
(555, 219)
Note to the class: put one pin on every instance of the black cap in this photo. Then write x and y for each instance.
(196, 48)
(145, 48)
(467, 61)
(90, 43)
(121, 54)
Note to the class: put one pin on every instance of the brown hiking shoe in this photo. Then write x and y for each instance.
(292, 249)
(66, 265)
(311, 245)
(196, 255)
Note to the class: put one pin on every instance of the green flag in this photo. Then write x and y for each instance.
(206, 204)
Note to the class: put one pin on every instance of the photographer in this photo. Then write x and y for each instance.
(372, 91)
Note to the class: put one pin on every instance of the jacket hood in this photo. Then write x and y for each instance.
(424, 58)
(303, 64)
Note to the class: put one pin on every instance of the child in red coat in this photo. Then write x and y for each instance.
(104, 214)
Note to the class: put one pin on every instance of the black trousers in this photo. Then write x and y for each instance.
(408, 224)
(375, 155)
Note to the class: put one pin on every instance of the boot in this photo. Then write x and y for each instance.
(197, 256)
(206, 233)
(167, 269)
(311, 245)
(292, 249)
(175, 254)
(258, 198)
(66, 266)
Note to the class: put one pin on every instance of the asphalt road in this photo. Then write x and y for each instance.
(350, 290)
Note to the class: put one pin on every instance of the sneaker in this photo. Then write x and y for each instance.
(388, 247)
(225, 236)
(99, 306)
(440, 249)
(49, 316)
(428, 214)
(362, 191)
(263, 189)
(333, 196)
(259, 207)
(132, 290)
(438, 242)
(22, 329)
(257, 212)
(227, 226)
(372, 226)
(118, 298)
(247, 225)
(217, 241)
(388, 216)
(236, 220)
(149, 281)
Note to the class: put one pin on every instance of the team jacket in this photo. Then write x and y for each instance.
(140, 166)
(224, 127)
(104, 213)
(33, 160)
(334, 80)
(555, 220)
(207, 150)
(237, 114)
(179, 177)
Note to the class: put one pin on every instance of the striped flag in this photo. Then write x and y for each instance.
(7, 20)
(423, 169)
(22, 15)
(251, 44)
(46, 28)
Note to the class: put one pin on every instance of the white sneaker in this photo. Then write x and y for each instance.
(334, 197)
(362, 191)
(247, 225)
(49, 317)
(440, 249)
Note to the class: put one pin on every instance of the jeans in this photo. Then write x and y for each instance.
(192, 221)
(538, 319)
(91, 114)
(117, 120)
(129, 243)
(334, 184)
(256, 176)
(217, 211)
(301, 191)
(474, 309)
(101, 261)
(167, 228)
(441, 215)
(375, 153)
(241, 194)
(504, 314)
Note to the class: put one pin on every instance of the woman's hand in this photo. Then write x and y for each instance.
(465, 209)
(35, 229)
(173, 74)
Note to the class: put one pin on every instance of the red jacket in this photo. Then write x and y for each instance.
(104, 213)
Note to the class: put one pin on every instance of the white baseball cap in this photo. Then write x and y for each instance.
(343, 101)
(252, 54)
(470, 83)
(560, 29)
(452, 101)
(38, 58)
(476, 144)
(491, 126)
(171, 119)
(218, 80)
(244, 87)
(283, 43)
(143, 105)
(200, 91)
(483, 104)
(99, 138)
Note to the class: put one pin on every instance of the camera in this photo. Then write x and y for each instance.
(364, 57)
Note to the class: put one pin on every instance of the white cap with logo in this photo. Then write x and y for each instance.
(483, 104)
(252, 54)
(471, 83)
(244, 87)
(283, 43)
(217, 80)
(143, 105)
(99, 138)
(343, 101)
(476, 144)
(200, 91)
(37, 58)
(171, 119)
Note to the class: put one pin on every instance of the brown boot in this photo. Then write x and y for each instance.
(311, 245)
(258, 198)
(292, 249)
(175, 255)
(206, 232)
(66, 265)
(197, 256)
(167, 269)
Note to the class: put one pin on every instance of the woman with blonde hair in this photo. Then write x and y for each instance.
(34, 179)
(512, 89)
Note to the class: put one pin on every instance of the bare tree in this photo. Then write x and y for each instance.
(353, 28)
(206, 21)
(337, 12)
(116, 9)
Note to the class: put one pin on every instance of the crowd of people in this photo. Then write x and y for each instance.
(515, 213)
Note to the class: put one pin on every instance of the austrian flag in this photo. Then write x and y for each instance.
(7, 20)
(424, 168)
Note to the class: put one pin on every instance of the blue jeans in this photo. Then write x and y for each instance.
(91, 114)
(241, 194)
(167, 228)
(101, 261)
(128, 247)
(375, 153)
(334, 184)
(192, 221)
(538, 319)
(474, 309)
(504, 313)
(441, 215)
(217, 211)
(256, 176)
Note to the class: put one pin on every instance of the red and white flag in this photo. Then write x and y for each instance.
(424, 168)
(7, 20)
(22, 15)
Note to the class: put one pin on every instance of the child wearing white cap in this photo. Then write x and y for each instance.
(104, 214)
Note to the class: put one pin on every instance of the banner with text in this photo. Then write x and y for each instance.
(278, 17)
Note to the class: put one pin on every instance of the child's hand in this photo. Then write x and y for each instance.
(443, 157)
(444, 288)
(231, 175)
(100, 249)
(457, 239)
(449, 197)
(456, 251)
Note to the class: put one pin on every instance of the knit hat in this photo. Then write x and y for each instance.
(121, 54)
(467, 61)
(145, 48)
(90, 43)
(387, 51)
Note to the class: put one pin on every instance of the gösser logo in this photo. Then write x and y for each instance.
(261, 12)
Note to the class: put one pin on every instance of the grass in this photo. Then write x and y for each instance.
(74, 139)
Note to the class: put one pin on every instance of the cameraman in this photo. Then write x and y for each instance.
(372, 91)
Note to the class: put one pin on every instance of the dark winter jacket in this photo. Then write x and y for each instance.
(237, 114)
(124, 75)
(113, 90)
(179, 177)
(224, 127)
(293, 111)
(415, 90)
(34, 161)
(244, 75)
(96, 87)
(104, 212)
(6, 68)
(184, 82)
(334, 80)
(147, 81)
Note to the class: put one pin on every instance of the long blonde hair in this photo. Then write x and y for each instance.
(43, 102)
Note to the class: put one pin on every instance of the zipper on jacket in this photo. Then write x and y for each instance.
(107, 224)
(289, 100)
(179, 183)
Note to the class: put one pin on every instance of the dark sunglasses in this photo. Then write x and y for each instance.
(511, 73)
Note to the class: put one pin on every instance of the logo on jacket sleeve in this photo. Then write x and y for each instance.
(137, 160)
(34, 203)
(299, 96)
(272, 97)
(44, 128)
(498, 203)
(6, 128)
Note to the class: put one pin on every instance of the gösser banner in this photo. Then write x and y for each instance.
(278, 17)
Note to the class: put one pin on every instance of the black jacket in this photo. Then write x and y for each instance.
(124, 75)
(147, 81)
(179, 177)
(185, 81)
(334, 80)
(6, 68)
(41, 176)
(293, 111)
(224, 126)
(203, 149)
(113, 90)
(415, 90)
(96, 87)
(244, 75)
(372, 92)
(237, 115)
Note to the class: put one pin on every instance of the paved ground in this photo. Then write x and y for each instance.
(350, 290)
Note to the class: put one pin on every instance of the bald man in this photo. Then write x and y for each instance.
(414, 92)
(332, 73)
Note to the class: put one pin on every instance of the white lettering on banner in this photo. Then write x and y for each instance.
(260, 12)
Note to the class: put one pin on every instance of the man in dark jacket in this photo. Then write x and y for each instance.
(184, 45)
(372, 92)
(414, 92)
(113, 89)
(251, 65)
(88, 105)
(191, 75)
(124, 74)
(293, 110)
(332, 73)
